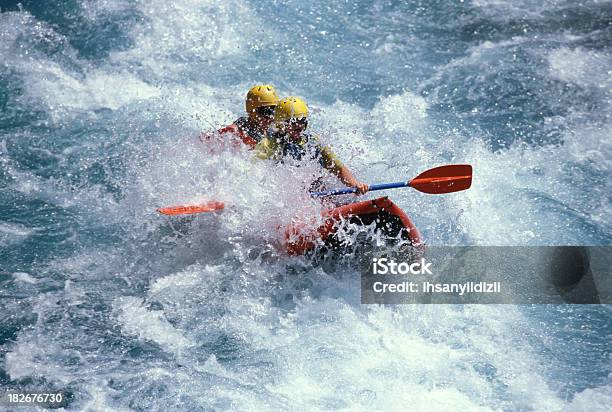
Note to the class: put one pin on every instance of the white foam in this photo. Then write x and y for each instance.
(401, 112)
(20, 361)
(135, 319)
(35, 354)
(186, 279)
(15, 229)
(582, 67)
(507, 9)
(334, 353)
(95, 9)
(344, 127)
(100, 401)
(14, 233)
(597, 399)
(193, 29)
(57, 87)
(25, 278)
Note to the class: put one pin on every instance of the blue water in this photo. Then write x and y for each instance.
(100, 103)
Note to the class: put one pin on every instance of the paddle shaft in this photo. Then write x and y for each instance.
(439, 180)
(348, 190)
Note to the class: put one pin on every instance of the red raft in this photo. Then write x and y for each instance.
(390, 220)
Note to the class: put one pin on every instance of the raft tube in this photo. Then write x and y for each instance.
(389, 218)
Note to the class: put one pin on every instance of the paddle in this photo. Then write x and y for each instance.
(209, 206)
(439, 180)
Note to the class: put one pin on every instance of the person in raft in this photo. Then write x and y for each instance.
(260, 103)
(289, 139)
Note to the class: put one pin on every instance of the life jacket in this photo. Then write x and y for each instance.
(309, 147)
(306, 148)
(242, 129)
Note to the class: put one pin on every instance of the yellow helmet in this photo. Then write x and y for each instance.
(290, 108)
(262, 95)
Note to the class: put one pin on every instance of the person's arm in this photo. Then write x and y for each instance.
(347, 177)
(334, 165)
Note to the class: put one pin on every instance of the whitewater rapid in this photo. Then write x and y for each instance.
(101, 105)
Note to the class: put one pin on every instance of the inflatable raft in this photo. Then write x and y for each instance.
(390, 221)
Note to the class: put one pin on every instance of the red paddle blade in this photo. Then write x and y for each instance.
(443, 179)
(189, 209)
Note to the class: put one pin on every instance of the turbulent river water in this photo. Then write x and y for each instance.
(100, 106)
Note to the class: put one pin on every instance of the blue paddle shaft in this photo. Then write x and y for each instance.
(348, 190)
